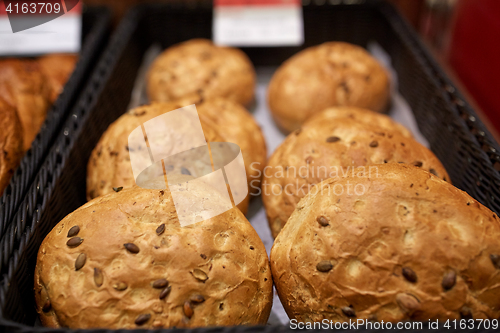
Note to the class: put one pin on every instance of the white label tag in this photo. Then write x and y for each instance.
(43, 26)
(258, 23)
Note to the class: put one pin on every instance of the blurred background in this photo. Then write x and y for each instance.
(462, 34)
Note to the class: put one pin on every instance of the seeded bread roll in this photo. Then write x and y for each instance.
(57, 68)
(404, 244)
(199, 68)
(11, 143)
(123, 261)
(326, 147)
(109, 164)
(24, 87)
(330, 74)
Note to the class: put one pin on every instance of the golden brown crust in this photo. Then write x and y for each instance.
(235, 124)
(23, 86)
(407, 246)
(360, 115)
(109, 164)
(199, 68)
(220, 259)
(324, 148)
(330, 74)
(222, 120)
(57, 68)
(11, 143)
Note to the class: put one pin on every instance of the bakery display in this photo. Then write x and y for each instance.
(325, 147)
(199, 68)
(366, 222)
(123, 261)
(330, 74)
(11, 141)
(403, 245)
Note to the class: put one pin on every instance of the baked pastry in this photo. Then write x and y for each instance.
(124, 261)
(11, 143)
(109, 164)
(57, 68)
(31, 85)
(222, 121)
(403, 245)
(235, 124)
(24, 87)
(330, 74)
(199, 68)
(324, 148)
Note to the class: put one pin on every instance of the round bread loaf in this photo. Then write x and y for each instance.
(330, 74)
(11, 143)
(391, 244)
(109, 164)
(326, 147)
(124, 261)
(199, 68)
(57, 68)
(23, 87)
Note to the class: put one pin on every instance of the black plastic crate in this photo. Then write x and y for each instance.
(95, 33)
(452, 128)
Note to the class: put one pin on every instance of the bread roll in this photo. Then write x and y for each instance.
(11, 143)
(330, 74)
(24, 87)
(199, 68)
(57, 68)
(109, 164)
(326, 147)
(123, 261)
(222, 121)
(397, 244)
